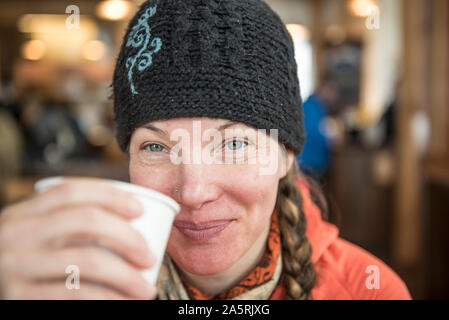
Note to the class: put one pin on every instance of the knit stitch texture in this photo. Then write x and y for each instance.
(230, 59)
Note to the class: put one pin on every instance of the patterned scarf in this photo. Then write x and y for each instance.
(257, 285)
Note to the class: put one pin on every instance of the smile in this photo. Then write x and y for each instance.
(202, 232)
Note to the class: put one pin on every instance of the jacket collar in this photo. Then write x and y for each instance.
(321, 234)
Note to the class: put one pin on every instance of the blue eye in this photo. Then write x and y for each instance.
(235, 144)
(154, 147)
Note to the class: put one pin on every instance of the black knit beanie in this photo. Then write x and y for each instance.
(230, 59)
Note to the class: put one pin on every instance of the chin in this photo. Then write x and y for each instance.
(202, 261)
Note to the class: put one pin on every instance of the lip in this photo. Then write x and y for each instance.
(202, 231)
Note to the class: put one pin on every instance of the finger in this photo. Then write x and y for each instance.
(87, 224)
(57, 290)
(77, 191)
(86, 263)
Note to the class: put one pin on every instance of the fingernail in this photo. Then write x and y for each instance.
(135, 206)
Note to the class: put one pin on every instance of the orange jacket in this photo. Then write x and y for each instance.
(344, 270)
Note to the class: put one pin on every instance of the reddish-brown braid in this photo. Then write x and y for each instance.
(298, 274)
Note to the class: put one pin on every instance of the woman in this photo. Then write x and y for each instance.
(195, 86)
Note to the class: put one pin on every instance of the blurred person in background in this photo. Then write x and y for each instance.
(55, 136)
(316, 156)
(12, 140)
(11, 148)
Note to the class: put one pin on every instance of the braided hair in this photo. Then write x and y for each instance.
(298, 274)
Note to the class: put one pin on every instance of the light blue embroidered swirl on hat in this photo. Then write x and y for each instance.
(140, 36)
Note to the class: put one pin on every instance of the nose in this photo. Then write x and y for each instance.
(196, 186)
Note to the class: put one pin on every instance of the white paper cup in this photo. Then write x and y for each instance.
(154, 224)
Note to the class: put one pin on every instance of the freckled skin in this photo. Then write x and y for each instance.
(207, 192)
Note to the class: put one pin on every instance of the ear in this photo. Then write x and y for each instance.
(290, 157)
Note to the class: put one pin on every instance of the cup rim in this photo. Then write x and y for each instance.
(46, 183)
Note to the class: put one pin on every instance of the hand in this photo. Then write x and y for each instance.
(81, 222)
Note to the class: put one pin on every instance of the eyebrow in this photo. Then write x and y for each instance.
(158, 130)
(163, 132)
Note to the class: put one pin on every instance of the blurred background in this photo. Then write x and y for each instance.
(374, 81)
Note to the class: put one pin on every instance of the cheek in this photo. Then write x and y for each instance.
(253, 189)
(159, 178)
(255, 196)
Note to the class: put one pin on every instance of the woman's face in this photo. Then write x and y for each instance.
(225, 194)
